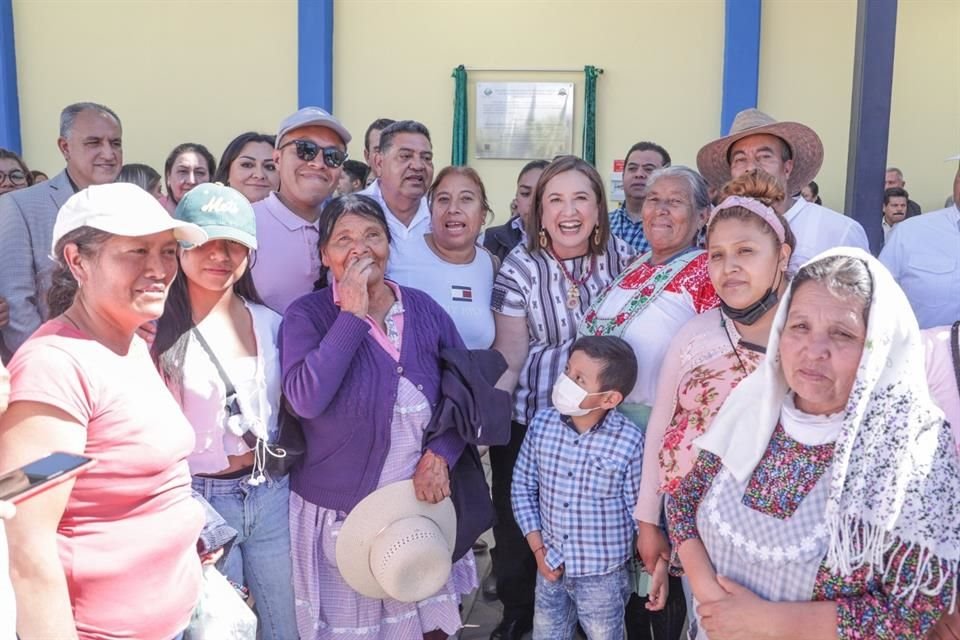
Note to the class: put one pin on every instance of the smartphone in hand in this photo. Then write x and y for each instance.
(40, 475)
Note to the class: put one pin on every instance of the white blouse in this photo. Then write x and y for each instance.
(202, 394)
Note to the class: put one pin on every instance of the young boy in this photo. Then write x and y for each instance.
(574, 488)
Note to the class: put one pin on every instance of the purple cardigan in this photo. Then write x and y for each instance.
(343, 386)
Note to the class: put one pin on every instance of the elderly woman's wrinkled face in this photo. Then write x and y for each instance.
(355, 237)
(456, 212)
(820, 347)
(670, 218)
(128, 279)
(570, 212)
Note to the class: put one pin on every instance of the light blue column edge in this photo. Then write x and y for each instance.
(314, 53)
(741, 59)
(9, 98)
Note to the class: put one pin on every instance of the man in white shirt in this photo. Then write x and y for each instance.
(310, 150)
(895, 207)
(792, 153)
(405, 166)
(923, 254)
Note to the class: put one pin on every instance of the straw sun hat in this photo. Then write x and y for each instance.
(714, 158)
(394, 546)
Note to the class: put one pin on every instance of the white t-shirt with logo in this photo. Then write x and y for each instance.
(463, 290)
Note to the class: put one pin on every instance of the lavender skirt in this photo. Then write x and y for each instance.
(326, 606)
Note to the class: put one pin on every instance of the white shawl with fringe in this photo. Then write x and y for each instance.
(895, 480)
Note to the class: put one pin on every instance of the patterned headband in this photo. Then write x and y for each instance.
(754, 206)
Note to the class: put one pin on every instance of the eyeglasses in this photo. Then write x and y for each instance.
(307, 150)
(15, 176)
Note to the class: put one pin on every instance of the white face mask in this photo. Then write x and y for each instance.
(567, 396)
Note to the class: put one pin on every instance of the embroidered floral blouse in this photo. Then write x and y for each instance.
(699, 371)
(646, 305)
(786, 476)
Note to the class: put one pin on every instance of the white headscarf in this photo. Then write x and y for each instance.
(895, 480)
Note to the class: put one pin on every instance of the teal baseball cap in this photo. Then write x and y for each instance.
(224, 213)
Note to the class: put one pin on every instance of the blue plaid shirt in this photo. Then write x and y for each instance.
(627, 230)
(579, 490)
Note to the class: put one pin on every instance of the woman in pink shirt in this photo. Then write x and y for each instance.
(111, 554)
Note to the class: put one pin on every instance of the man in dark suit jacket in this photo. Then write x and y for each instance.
(90, 141)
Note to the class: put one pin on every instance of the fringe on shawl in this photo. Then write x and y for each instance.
(855, 544)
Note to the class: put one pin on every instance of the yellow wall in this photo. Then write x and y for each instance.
(811, 80)
(925, 113)
(806, 74)
(205, 70)
(173, 70)
(662, 66)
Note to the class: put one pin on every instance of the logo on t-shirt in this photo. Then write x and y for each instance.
(461, 294)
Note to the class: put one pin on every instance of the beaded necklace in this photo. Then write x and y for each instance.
(574, 284)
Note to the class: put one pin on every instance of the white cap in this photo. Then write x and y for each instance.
(122, 209)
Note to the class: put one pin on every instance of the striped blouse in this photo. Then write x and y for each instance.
(533, 286)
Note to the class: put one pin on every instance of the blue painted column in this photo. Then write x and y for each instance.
(870, 115)
(314, 53)
(741, 59)
(9, 100)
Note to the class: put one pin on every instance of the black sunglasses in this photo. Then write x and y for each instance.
(307, 150)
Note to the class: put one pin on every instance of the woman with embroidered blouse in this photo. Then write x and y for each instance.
(539, 297)
(661, 290)
(748, 250)
(825, 500)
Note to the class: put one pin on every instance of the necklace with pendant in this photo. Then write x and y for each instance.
(723, 323)
(574, 284)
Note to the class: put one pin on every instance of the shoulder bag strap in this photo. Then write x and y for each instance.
(232, 405)
(231, 390)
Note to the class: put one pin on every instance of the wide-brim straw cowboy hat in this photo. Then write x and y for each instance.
(394, 546)
(713, 160)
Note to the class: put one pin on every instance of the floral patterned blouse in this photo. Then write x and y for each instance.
(706, 360)
(789, 474)
(646, 305)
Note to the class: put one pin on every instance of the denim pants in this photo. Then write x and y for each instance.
(260, 557)
(596, 601)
